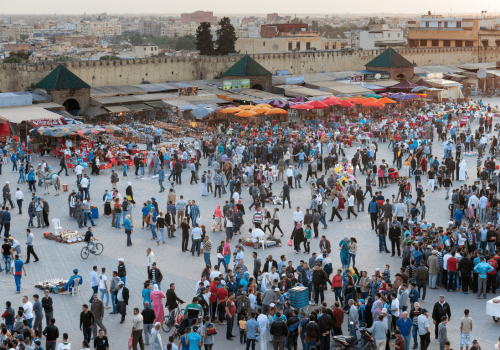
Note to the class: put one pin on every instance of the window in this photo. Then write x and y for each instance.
(469, 43)
(458, 43)
(459, 24)
(308, 46)
(326, 46)
(426, 24)
(290, 48)
(264, 43)
(446, 24)
(446, 43)
(423, 42)
(297, 45)
(440, 24)
(435, 42)
(388, 35)
(399, 35)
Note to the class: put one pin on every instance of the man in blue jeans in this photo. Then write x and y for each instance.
(17, 270)
(405, 326)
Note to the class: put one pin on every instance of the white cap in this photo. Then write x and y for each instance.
(6, 182)
(271, 305)
(121, 260)
(276, 289)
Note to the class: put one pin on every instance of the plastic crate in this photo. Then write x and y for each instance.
(299, 297)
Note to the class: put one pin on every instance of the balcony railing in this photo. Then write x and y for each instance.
(435, 28)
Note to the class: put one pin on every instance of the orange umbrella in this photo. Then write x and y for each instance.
(231, 110)
(264, 105)
(246, 114)
(246, 107)
(357, 100)
(260, 110)
(276, 111)
(375, 104)
(386, 100)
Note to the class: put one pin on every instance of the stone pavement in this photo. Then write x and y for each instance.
(58, 260)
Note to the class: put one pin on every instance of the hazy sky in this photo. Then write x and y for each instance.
(329, 7)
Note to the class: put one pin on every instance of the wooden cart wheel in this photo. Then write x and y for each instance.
(496, 318)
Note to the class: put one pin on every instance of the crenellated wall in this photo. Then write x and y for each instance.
(18, 77)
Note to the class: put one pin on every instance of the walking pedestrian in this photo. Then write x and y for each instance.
(47, 305)
(30, 247)
(19, 199)
(137, 327)
(97, 308)
(17, 270)
(51, 333)
(87, 321)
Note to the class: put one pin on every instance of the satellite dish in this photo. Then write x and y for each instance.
(293, 31)
(378, 76)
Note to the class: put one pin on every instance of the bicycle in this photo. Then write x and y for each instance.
(86, 251)
(169, 321)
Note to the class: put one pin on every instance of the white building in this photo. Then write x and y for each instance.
(145, 51)
(99, 29)
(380, 38)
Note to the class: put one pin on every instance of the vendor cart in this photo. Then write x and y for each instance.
(493, 308)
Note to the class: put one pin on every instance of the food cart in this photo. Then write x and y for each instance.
(493, 308)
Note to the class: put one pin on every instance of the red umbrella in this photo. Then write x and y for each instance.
(345, 103)
(332, 102)
(318, 104)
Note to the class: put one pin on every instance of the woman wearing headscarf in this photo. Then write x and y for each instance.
(129, 193)
(157, 304)
(217, 220)
(298, 237)
(240, 207)
(236, 220)
(107, 198)
(368, 312)
(344, 251)
(267, 220)
(146, 292)
(378, 310)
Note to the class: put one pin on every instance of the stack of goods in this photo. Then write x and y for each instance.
(67, 236)
(299, 297)
(268, 243)
(470, 154)
(54, 285)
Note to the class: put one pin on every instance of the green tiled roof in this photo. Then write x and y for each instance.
(61, 78)
(246, 67)
(389, 58)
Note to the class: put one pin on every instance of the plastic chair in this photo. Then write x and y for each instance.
(57, 225)
(102, 167)
(262, 241)
(71, 166)
(76, 283)
(109, 166)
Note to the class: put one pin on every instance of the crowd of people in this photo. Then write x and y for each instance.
(254, 305)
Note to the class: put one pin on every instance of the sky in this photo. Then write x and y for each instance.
(300, 8)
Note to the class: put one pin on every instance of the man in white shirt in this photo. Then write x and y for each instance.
(19, 198)
(79, 171)
(103, 287)
(28, 311)
(196, 236)
(274, 275)
(394, 309)
(83, 185)
(151, 258)
(263, 325)
(94, 282)
(350, 208)
(423, 329)
(297, 216)
(204, 281)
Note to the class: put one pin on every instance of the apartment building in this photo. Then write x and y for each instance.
(14, 31)
(99, 29)
(198, 17)
(149, 28)
(381, 38)
(145, 51)
(440, 31)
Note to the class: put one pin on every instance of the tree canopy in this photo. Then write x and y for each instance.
(226, 37)
(204, 39)
(186, 42)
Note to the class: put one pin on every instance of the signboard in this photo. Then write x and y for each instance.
(481, 73)
(236, 84)
(434, 75)
(357, 78)
(46, 122)
(188, 91)
(371, 76)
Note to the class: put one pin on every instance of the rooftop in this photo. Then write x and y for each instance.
(246, 67)
(61, 78)
(389, 58)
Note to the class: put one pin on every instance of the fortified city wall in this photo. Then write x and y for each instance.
(19, 77)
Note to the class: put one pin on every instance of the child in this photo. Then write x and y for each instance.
(243, 324)
(125, 170)
(422, 211)
(145, 213)
(387, 271)
(442, 332)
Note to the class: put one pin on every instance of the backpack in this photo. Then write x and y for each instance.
(211, 329)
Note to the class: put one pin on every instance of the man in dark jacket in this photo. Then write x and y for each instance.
(122, 296)
(178, 172)
(319, 279)
(51, 333)
(137, 163)
(325, 324)
(360, 198)
(279, 331)
(381, 232)
(155, 275)
(394, 236)
(148, 316)
(293, 329)
(269, 264)
(62, 163)
(441, 308)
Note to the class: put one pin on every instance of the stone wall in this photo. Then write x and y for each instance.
(19, 77)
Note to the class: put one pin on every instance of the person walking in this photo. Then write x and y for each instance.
(94, 282)
(87, 321)
(17, 270)
(62, 163)
(122, 296)
(148, 318)
(30, 248)
(137, 328)
(97, 308)
(350, 207)
(161, 178)
(114, 179)
(39, 213)
(19, 199)
(128, 230)
(441, 308)
(156, 343)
